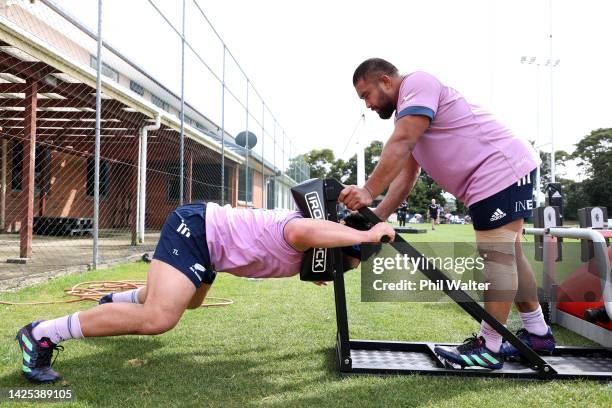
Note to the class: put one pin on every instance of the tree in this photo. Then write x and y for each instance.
(320, 161)
(338, 170)
(561, 157)
(433, 189)
(418, 200)
(424, 190)
(298, 168)
(323, 164)
(461, 208)
(574, 198)
(594, 156)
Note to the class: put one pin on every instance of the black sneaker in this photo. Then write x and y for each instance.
(37, 355)
(540, 344)
(106, 299)
(472, 353)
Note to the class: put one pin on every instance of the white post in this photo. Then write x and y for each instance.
(3, 185)
(138, 190)
(142, 198)
(361, 165)
(96, 210)
(361, 157)
(552, 133)
(537, 142)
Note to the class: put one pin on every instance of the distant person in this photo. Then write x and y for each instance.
(434, 213)
(402, 212)
(484, 165)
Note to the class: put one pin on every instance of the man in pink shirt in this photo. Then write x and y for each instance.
(482, 163)
(196, 241)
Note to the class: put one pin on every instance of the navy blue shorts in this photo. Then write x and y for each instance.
(182, 244)
(508, 205)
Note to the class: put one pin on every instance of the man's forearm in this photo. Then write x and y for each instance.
(398, 191)
(392, 160)
(397, 152)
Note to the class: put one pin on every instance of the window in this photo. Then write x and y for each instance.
(160, 103)
(17, 166)
(245, 193)
(136, 87)
(271, 190)
(43, 162)
(43, 158)
(106, 69)
(104, 177)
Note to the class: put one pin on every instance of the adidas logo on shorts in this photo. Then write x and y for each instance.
(523, 181)
(497, 215)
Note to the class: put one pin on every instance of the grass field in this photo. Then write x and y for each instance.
(274, 347)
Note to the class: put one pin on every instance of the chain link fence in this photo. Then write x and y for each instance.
(179, 121)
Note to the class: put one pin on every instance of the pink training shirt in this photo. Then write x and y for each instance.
(465, 149)
(250, 242)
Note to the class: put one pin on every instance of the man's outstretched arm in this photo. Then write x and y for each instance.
(305, 233)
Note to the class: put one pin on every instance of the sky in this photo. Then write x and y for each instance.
(300, 57)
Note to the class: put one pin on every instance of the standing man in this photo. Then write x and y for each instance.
(484, 165)
(434, 211)
(402, 211)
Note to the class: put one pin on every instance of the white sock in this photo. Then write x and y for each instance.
(534, 322)
(492, 338)
(129, 296)
(57, 330)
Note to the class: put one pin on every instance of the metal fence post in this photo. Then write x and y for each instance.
(96, 223)
(182, 137)
(246, 173)
(223, 129)
(263, 160)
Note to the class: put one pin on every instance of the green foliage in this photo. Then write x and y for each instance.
(424, 190)
(461, 208)
(320, 162)
(324, 164)
(594, 155)
(574, 198)
(561, 157)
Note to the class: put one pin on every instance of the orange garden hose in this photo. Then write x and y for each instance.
(94, 290)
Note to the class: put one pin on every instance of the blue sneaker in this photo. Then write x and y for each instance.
(36, 366)
(472, 353)
(539, 344)
(106, 299)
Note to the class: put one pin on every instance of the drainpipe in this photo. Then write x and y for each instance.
(142, 179)
(3, 185)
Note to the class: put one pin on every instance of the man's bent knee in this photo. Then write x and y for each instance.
(158, 322)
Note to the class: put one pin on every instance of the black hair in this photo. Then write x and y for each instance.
(373, 66)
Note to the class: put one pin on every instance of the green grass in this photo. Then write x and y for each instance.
(274, 347)
(442, 233)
